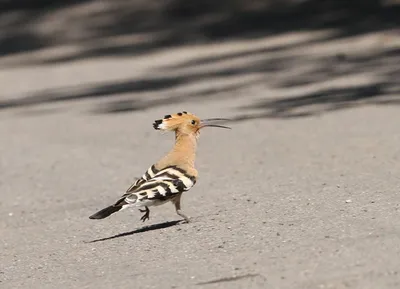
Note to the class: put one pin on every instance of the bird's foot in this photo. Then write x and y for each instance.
(185, 220)
(146, 216)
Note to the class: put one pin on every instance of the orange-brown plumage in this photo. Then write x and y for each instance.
(173, 174)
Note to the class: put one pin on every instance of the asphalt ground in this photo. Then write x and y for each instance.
(304, 195)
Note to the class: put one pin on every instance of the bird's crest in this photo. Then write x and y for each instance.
(173, 122)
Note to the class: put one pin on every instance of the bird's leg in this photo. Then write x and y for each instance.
(177, 203)
(179, 212)
(146, 216)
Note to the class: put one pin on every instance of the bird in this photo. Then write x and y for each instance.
(175, 173)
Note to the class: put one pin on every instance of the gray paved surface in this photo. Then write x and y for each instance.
(307, 202)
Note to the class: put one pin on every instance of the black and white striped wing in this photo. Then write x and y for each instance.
(182, 179)
(165, 185)
(150, 173)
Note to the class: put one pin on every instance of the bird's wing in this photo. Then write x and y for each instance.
(164, 185)
(151, 172)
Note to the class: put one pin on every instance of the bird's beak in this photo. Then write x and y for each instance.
(210, 122)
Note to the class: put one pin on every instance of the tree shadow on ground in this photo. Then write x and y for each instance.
(300, 78)
(381, 87)
(175, 23)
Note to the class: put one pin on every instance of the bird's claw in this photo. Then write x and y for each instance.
(184, 221)
(146, 216)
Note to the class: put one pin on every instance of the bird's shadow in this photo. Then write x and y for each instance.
(137, 231)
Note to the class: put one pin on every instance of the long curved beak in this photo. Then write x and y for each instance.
(210, 122)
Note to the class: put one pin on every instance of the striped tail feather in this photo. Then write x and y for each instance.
(104, 213)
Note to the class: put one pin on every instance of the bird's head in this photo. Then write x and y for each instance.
(186, 123)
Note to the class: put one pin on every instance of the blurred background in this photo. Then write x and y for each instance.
(312, 56)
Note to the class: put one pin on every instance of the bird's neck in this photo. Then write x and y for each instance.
(184, 151)
(185, 148)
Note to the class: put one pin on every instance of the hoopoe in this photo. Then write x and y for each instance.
(175, 173)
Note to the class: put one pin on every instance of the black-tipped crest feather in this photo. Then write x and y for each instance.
(157, 123)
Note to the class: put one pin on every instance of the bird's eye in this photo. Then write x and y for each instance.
(193, 122)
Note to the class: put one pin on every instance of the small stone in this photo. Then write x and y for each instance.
(348, 201)
(278, 234)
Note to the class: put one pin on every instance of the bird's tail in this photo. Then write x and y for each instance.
(104, 213)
